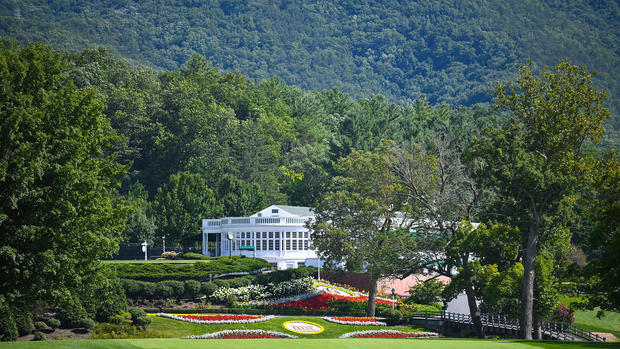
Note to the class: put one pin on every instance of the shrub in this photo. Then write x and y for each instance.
(123, 318)
(133, 288)
(562, 313)
(40, 326)
(109, 300)
(428, 292)
(53, 323)
(207, 288)
(38, 336)
(139, 318)
(192, 288)
(23, 320)
(242, 294)
(222, 283)
(163, 291)
(142, 322)
(196, 271)
(70, 311)
(291, 288)
(346, 307)
(86, 323)
(8, 328)
(178, 287)
(192, 255)
(278, 276)
(170, 255)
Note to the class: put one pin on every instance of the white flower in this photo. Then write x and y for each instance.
(380, 332)
(226, 333)
(357, 323)
(248, 321)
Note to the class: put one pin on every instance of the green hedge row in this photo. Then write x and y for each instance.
(196, 271)
(180, 289)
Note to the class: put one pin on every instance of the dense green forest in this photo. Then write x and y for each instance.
(450, 51)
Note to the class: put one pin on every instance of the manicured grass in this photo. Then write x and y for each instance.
(587, 319)
(153, 261)
(361, 343)
(163, 327)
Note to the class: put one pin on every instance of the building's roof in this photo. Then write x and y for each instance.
(296, 210)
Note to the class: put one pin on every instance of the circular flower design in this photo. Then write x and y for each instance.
(303, 327)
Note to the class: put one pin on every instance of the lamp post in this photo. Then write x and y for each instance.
(393, 297)
(144, 249)
(163, 244)
(319, 272)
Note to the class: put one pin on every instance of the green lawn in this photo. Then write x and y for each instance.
(362, 343)
(153, 261)
(587, 319)
(163, 327)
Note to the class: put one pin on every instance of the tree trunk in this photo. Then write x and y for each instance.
(536, 321)
(527, 292)
(474, 311)
(372, 296)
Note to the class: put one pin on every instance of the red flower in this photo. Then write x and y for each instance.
(218, 317)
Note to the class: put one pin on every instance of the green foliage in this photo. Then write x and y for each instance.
(195, 271)
(39, 336)
(58, 212)
(8, 328)
(53, 323)
(86, 323)
(603, 287)
(452, 53)
(192, 288)
(23, 321)
(40, 326)
(70, 311)
(180, 204)
(428, 292)
(109, 300)
(207, 288)
(355, 224)
(192, 255)
(278, 276)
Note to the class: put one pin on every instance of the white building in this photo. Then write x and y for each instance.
(277, 234)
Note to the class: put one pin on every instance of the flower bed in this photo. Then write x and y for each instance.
(387, 334)
(360, 321)
(319, 301)
(217, 318)
(243, 334)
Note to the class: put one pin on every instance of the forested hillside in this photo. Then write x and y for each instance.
(450, 51)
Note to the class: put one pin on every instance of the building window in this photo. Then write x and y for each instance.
(274, 210)
(288, 244)
(294, 244)
(277, 245)
(264, 245)
(270, 245)
(305, 244)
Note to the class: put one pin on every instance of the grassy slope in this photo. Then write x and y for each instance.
(309, 344)
(587, 319)
(163, 327)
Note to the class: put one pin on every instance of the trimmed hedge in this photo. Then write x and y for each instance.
(177, 289)
(192, 255)
(278, 276)
(197, 271)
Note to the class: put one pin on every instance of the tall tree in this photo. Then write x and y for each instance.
(57, 182)
(181, 204)
(360, 223)
(442, 200)
(605, 237)
(535, 161)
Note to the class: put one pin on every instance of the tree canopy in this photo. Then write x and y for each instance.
(58, 212)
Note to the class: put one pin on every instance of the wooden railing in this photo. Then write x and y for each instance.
(557, 330)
